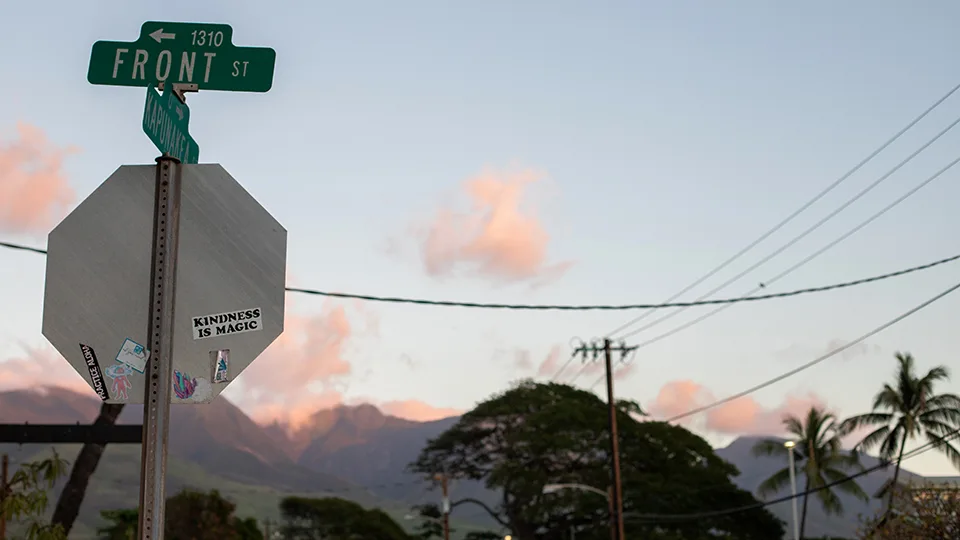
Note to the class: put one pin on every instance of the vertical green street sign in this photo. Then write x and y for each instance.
(183, 53)
(165, 121)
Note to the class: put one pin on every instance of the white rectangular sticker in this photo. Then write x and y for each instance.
(225, 324)
(134, 355)
(221, 361)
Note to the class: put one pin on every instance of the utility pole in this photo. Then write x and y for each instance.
(616, 492)
(266, 529)
(613, 526)
(3, 495)
(442, 477)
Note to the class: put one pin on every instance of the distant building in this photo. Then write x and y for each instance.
(922, 485)
(920, 488)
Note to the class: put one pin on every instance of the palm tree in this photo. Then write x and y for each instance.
(819, 457)
(907, 410)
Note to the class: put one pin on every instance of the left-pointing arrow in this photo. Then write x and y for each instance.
(159, 35)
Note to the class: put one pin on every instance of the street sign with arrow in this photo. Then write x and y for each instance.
(198, 54)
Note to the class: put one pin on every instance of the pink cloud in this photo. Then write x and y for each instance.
(304, 369)
(41, 367)
(744, 416)
(551, 363)
(418, 411)
(496, 237)
(583, 372)
(34, 193)
(523, 361)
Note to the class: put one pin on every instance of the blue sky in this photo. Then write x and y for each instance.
(670, 134)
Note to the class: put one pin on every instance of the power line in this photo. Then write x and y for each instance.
(815, 361)
(797, 238)
(803, 208)
(793, 268)
(23, 248)
(588, 307)
(643, 344)
(756, 506)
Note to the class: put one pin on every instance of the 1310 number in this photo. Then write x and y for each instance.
(202, 38)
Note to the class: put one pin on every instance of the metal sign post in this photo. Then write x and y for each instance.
(156, 400)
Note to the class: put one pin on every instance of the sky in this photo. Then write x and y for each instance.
(546, 152)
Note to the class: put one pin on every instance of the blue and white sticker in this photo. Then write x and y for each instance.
(134, 355)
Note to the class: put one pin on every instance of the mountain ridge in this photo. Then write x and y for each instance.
(360, 450)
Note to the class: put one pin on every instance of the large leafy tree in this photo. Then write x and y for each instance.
(908, 409)
(536, 434)
(68, 505)
(820, 460)
(24, 501)
(332, 518)
(190, 515)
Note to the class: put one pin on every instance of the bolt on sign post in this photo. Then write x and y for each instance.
(168, 280)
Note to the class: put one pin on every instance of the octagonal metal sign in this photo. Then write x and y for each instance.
(229, 291)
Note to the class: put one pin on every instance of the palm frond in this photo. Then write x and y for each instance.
(937, 428)
(944, 401)
(769, 447)
(946, 415)
(820, 426)
(890, 444)
(888, 399)
(828, 499)
(945, 446)
(939, 373)
(861, 421)
(874, 438)
(850, 487)
(775, 483)
(905, 363)
(794, 426)
(847, 461)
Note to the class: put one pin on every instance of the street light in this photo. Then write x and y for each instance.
(793, 486)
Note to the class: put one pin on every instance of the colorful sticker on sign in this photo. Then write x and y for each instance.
(96, 376)
(118, 373)
(225, 324)
(183, 385)
(134, 355)
(221, 361)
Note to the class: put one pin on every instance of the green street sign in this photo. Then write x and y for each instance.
(183, 53)
(165, 121)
